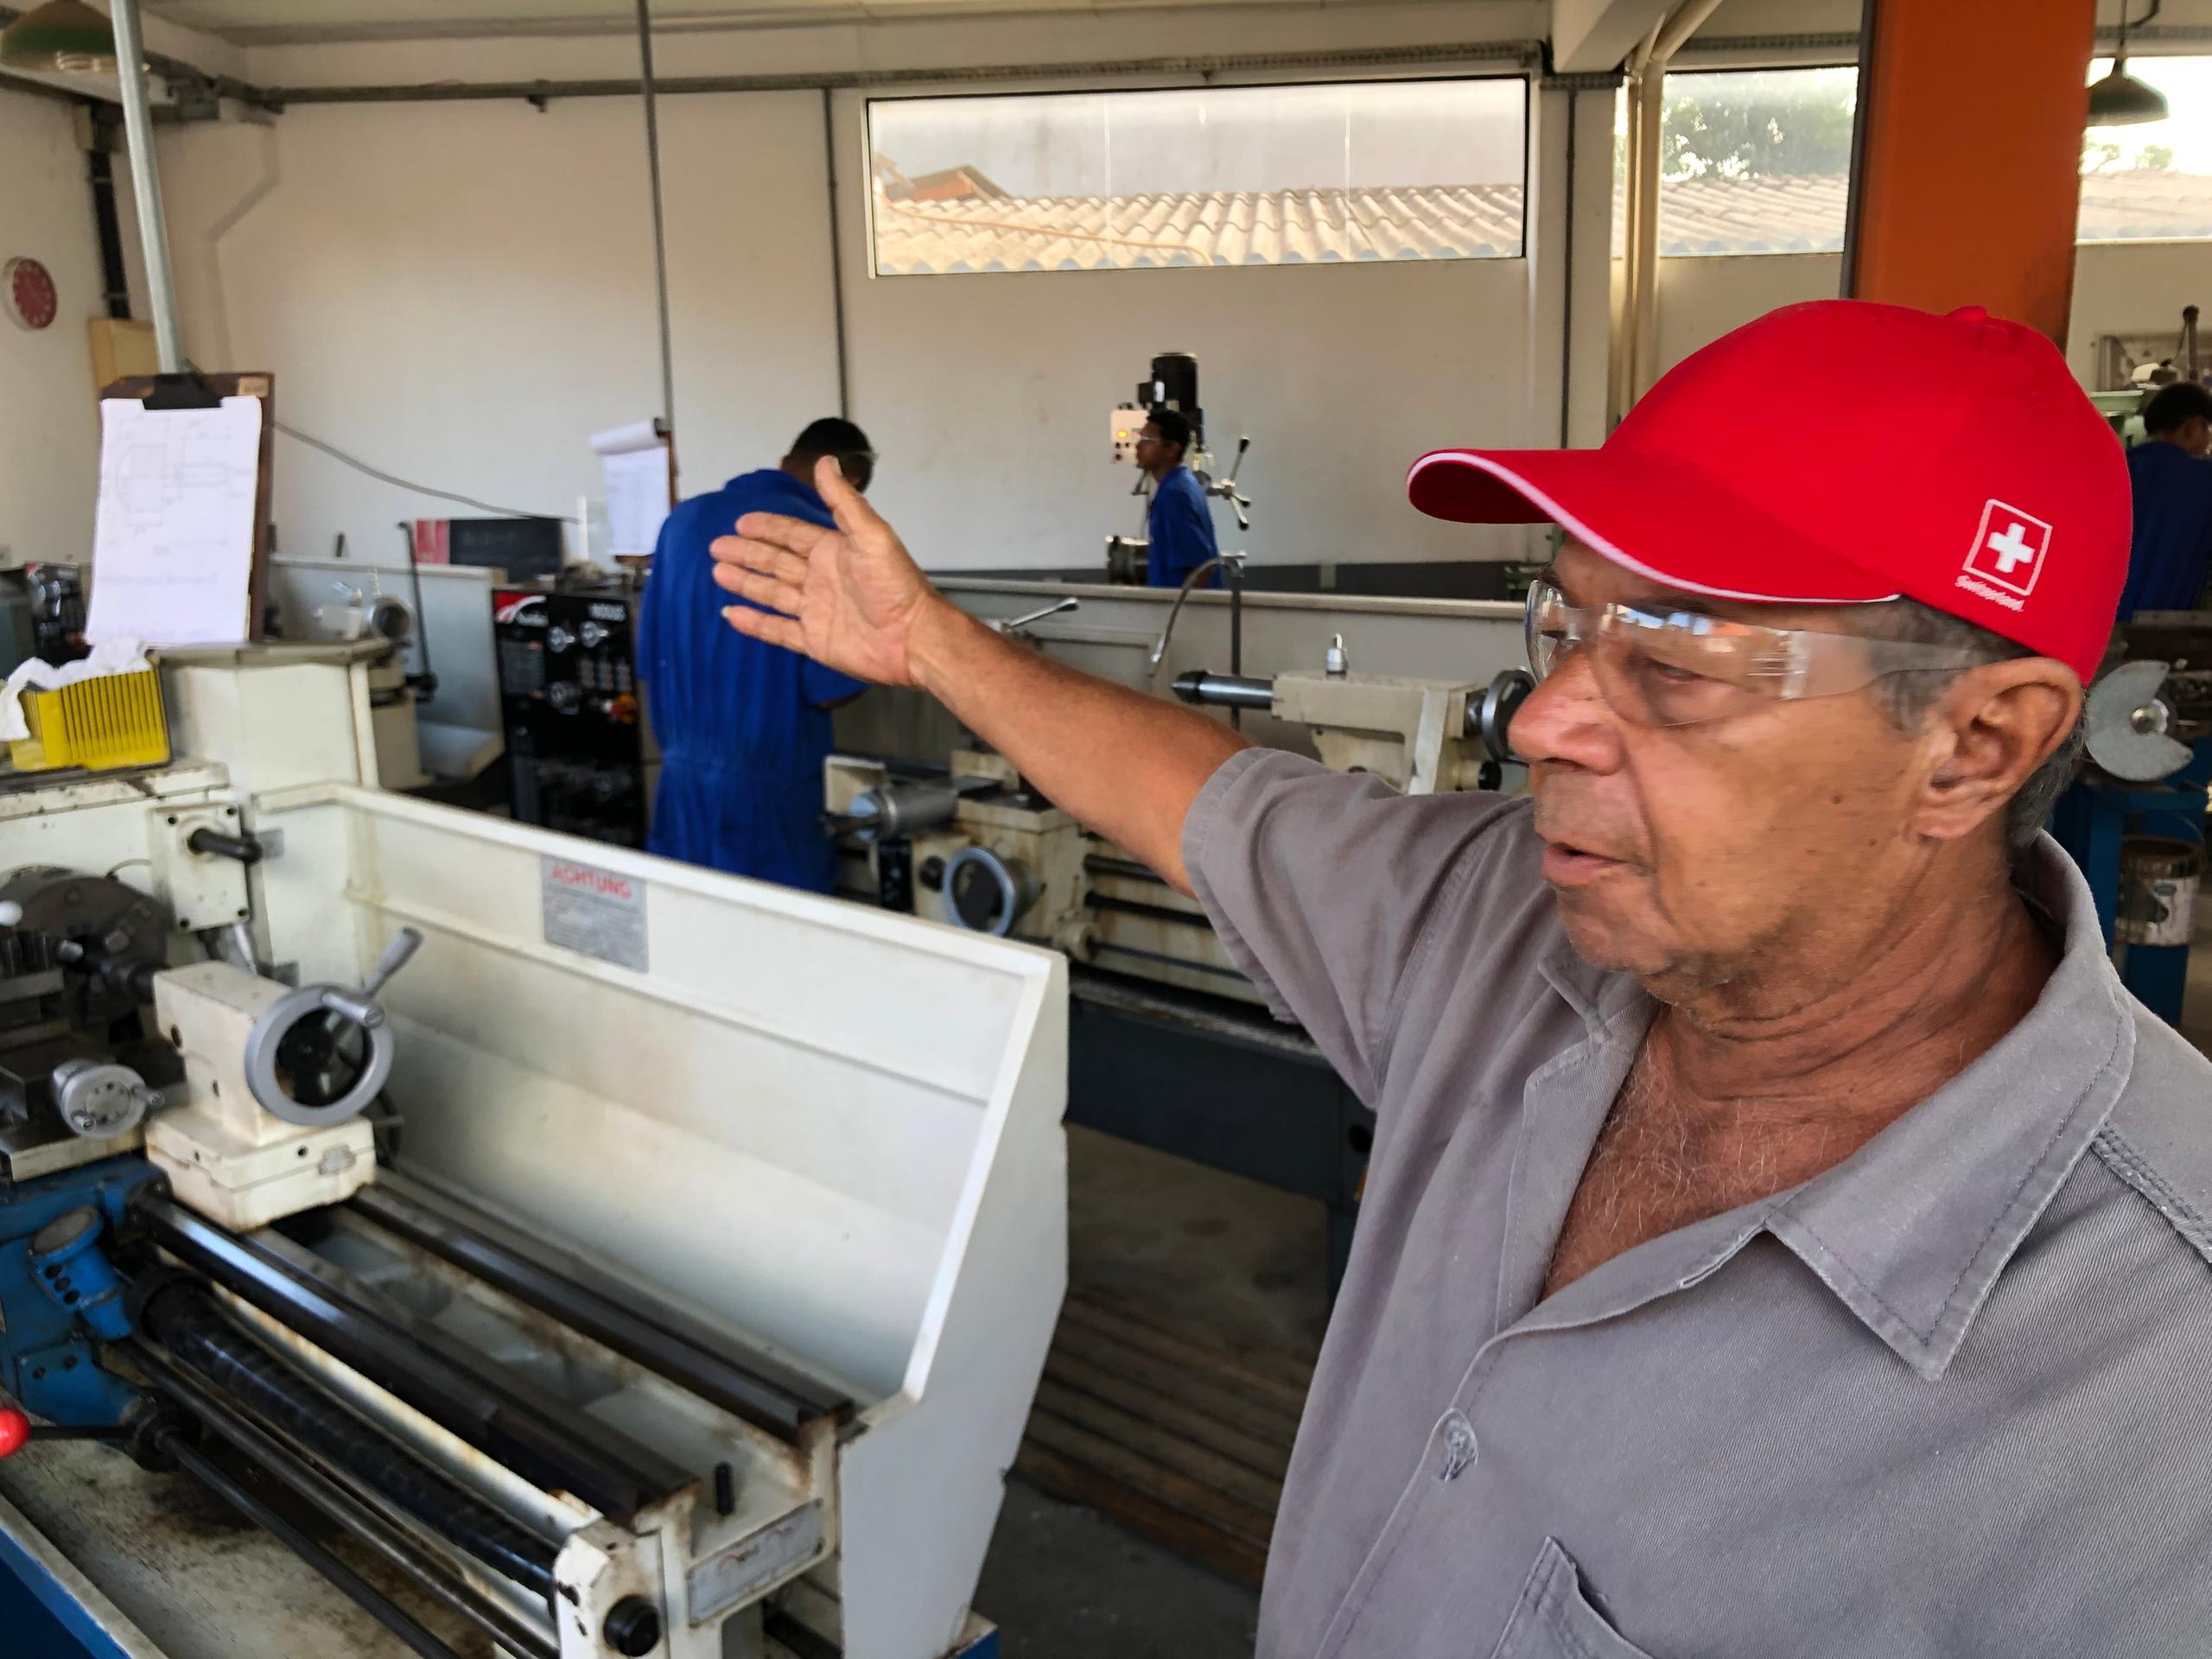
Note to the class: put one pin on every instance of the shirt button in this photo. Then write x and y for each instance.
(1460, 1449)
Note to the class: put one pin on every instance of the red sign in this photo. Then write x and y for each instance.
(434, 541)
(603, 882)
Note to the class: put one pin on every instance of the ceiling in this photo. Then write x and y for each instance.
(279, 23)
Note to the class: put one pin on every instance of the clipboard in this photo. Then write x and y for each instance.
(194, 390)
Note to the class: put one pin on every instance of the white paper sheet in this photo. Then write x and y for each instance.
(173, 543)
(635, 459)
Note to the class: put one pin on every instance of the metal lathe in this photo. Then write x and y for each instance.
(420, 1232)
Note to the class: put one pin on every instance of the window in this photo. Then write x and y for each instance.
(1751, 162)
(2152, 182)
(1242, 175)
(1760, 162)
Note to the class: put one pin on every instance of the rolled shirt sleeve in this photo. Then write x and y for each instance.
(1329, 889)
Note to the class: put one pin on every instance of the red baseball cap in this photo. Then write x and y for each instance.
(1838, 453)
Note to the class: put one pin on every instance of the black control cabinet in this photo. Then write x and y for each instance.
(577, 742)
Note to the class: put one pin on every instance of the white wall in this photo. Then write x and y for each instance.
(2119, 289)
(49, 437)
(458, 292)
(1700, 299)
(2133, 288)
(988, 396)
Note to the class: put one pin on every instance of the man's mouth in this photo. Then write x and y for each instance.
(1566, 865)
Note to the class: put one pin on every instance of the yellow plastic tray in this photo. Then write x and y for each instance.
(100, 724)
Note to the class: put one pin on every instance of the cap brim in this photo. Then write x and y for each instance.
(1657, 519)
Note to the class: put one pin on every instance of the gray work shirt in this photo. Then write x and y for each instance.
(1952, 1397)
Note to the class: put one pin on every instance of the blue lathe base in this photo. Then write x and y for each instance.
(2091, 820)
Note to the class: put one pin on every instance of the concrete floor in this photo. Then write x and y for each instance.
(1063, 1582)
(1241, 1265)
(1248, 1268)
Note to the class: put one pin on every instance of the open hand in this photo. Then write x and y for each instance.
(851, 598)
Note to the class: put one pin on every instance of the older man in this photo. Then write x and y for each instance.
(1784, 1236)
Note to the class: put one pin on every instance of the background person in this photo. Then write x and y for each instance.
(2170, 478)
(1179, 522)
(743, 728)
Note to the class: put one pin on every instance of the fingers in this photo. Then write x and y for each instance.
(764, 627)
(761, 591)
(847, 504)
(795, 534)
(762, 558)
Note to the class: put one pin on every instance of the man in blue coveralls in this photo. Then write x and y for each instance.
(2172, 480)
(743, 728)
(1180, 524)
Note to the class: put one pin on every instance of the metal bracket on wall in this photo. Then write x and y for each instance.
(192, 97)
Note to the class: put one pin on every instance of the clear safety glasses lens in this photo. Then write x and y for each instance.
(1682, 668)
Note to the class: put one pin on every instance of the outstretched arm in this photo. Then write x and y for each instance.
(1126, 765)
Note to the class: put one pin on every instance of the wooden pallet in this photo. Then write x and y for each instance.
(1178, 1441)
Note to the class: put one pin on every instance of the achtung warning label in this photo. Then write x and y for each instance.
(592, 912)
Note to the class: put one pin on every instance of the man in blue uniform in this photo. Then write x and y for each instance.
(1180, 524)
(2172, 479)
(743, 728)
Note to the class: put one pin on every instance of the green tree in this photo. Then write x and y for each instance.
(2155, 158)
(1747, 126)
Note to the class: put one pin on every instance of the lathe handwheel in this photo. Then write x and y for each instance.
(1500, 701)
(986, 893)
(298, 1029)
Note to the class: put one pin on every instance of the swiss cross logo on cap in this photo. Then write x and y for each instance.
(2008, 550)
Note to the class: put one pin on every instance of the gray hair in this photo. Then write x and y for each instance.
(1906, 698)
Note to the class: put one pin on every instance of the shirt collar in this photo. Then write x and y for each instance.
(1911, 1231)
(777, 479)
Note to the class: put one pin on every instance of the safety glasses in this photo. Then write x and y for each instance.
(1681, 668)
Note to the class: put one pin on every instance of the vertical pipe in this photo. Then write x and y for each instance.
(1624, 326)
(1237, 630)
(1651, 94)
(1866, 10)
(1621, 389)
(1566, 285)
(660, 232)
(146, 186)
(114, 282)
(837, 256)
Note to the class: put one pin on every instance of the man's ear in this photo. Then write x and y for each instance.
(1994, 727)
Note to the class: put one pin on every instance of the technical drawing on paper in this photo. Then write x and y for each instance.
(173, 543)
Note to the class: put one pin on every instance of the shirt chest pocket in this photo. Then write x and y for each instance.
(1554, 1620)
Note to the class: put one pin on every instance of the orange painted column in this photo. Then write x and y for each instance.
(1969, 167)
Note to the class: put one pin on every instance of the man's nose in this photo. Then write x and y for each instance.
(1566, 718)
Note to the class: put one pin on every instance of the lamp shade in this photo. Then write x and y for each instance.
(2120, 100)
(62, 38)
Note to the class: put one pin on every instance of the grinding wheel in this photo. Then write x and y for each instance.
(2128, 724)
